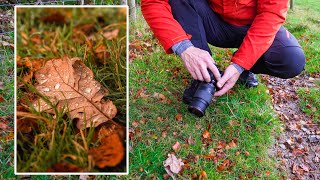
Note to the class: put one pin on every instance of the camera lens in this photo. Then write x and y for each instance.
(202, 98)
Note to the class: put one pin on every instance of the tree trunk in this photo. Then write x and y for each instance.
(291, 4)
(132, 8)
(123, 2)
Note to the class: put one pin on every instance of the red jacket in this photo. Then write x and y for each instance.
(265, 17)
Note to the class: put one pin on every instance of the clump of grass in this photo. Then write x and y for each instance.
(310, 102)
(58, 139)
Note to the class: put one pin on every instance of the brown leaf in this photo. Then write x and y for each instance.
(206, 134)
(2, 99)
(190, 140)
(246, 153)
(102, 54)
(179, 117)
(172, 165)
(231, 145)
(176, 147)
(109, 153)
(224, 165)
(7, 137)
(69, 83)
(1, 85)
(3, 125)
(56, 17)
(64, 167)
(6, 44)
(111, 34)
(203, 175)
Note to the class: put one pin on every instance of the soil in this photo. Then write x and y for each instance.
(297, 149)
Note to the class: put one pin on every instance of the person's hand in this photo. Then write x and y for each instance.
(228, 80)
(197, 61)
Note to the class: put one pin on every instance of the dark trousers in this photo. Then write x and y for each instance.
(284, 59)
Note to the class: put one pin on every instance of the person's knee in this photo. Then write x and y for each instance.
(293, 62)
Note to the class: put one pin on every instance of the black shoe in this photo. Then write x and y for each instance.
(189, 91)
(248, 79)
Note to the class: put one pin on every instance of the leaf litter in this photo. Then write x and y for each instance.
(298, 146)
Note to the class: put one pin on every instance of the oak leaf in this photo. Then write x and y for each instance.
(69, 85)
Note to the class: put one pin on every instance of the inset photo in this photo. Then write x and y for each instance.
(71, 90)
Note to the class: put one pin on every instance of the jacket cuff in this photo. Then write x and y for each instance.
(238, 67)
(181, 46)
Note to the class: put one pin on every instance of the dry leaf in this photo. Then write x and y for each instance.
(179, 117)
(203, 175)
(172, 165)
(69, 83)
(1, 85)
(231, 145)
(176, 147)
(56, 17)
(2, 99)
(224, 165)
(206, 134)
(102, 54)
(6, 44)
(111, 34)
(109, 153)
(64, 167)
(3, 125)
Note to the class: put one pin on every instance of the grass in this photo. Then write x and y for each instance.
(245, 115)
(6, 110)
(304, 23)
(310, 103)
(51, 146)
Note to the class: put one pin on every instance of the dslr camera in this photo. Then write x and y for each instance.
(203, 96)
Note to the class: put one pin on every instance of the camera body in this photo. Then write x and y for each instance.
(203, 96)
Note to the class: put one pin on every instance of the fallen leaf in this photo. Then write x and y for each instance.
(64, 167)
(6, 44)
(2, 99)
(203, 175)
(224, 165)
(102, 54)
(172, 165)
(267, 173)
(206, 134)
(176, 147)
(179, 117)
(3, 125)
(111, 34)
(69, 83)
(135, 124)
(56, 17)
(246, 153)
(231, 145)
(190, 140)
(109, 153)
(1, 85)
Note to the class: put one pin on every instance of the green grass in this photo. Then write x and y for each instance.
(310, 102)
(6, 109)
(112, 75)
(303, 22)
